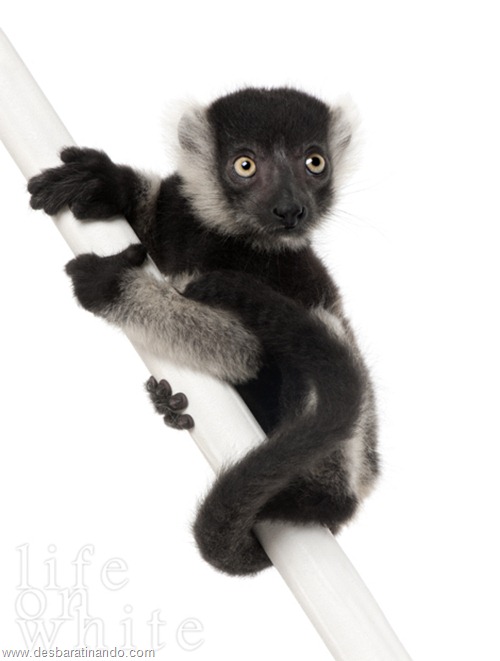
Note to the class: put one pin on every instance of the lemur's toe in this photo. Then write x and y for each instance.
(170, 406)
(182, 422)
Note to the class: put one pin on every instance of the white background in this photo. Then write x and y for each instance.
(84, 461)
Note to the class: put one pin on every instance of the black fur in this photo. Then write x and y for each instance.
(249, 254)
(272, 480)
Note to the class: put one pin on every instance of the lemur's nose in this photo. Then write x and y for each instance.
(290, 215)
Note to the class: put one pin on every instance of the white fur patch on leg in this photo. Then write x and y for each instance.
(157, 316)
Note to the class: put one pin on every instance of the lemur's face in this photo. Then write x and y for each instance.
(260, 164)
(277, 192)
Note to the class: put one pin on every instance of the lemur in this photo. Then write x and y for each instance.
(245, 298)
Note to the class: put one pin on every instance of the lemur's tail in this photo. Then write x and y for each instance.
(322, 390)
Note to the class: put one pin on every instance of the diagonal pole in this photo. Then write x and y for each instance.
(309, 559)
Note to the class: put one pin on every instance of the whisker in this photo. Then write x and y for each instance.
(345, 218)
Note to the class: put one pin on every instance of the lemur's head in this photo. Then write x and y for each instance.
(263, 164)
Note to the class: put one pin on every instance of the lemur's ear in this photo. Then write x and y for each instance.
(197, 166)
(194, 132)
(344, 138)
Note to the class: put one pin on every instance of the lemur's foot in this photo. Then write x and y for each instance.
(170, 406)
(97, 281)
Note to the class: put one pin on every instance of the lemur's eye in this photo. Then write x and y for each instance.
(315, 163)
(244, 166)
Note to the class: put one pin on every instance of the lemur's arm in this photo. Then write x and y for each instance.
(96, 188)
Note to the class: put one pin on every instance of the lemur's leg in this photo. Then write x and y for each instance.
(96, 188)
(158, 317)
(170, 406)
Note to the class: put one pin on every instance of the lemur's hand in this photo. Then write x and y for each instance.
(97, 281)
(88, 182)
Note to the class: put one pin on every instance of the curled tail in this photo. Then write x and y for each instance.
(322, 390)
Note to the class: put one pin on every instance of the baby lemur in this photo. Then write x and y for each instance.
(245, 298)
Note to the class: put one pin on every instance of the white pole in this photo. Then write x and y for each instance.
(309, 559)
